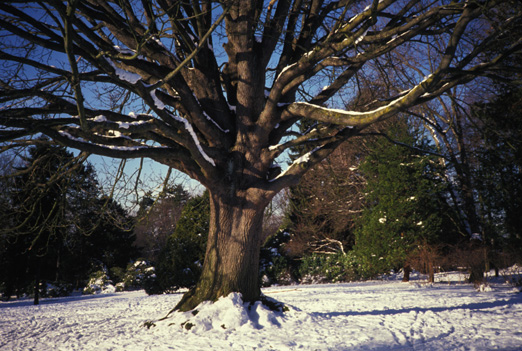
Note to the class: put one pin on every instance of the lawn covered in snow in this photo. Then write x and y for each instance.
(376, 315)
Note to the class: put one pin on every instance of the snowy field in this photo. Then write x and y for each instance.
(377, 315)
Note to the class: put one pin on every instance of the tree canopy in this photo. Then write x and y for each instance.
(203, 109)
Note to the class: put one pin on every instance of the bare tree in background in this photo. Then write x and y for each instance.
(220, 86)
(324, 206)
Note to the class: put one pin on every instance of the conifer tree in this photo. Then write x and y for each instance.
(402, 204)
(500, 170)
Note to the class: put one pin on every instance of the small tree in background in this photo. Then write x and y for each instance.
(323, 208)
(500, 173)
(39, 220)
(402, 204)
(157, 220)
(180, 262)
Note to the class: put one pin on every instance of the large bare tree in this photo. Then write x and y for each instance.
(219, 87)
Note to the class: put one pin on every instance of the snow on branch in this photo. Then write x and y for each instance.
(361, 119)
(127, 76)
(77, 140)
(301, 160)
(159, 104)
(192, 133)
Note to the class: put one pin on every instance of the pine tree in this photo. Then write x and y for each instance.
(402, 203)
(39, 223)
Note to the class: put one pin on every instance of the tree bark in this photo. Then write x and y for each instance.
(407, 271)
(36, 300)
(232, 253)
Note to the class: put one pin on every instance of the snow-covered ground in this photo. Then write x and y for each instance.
(377, 315)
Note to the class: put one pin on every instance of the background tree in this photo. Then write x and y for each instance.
(404, 202)
(38, 216)
(323, 208)
(57, 224)
(181, 259)
(472, 163)
(224, 114)
(157, 220)
(500, 173)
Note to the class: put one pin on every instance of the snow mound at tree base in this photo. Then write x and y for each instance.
(227, 314)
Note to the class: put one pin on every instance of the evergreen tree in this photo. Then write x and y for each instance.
(39, 227)
(403, 203)
(57, 225)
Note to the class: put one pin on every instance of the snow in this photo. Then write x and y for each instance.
(303, 159)
(126, 125)
(100, 118)
(124, 51)
(127, 76)
(375, 315)
(159, 104)
(285, 69)
(191, 131)
(359, 39)
(215, 123)
(158, 41)
(306, 157)
(117, 134)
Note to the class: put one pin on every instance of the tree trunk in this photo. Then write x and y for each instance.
(431, 271)
(232, 253)
(37, 284)
(407, 271)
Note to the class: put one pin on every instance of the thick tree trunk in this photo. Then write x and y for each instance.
(232, 254)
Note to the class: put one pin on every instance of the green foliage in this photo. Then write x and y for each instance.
(180, 262)
(157, 220)
(320, 268)
(139, 275)
(403, 203)
(56, 289)
(99, 282)
(275, 266)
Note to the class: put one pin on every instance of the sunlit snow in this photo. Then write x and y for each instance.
(127, 76)
(376, 315)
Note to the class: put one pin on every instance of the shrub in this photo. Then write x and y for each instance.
(318, 268)
(56, 289)
(99, 283)
(275, 266)
(139, 275)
